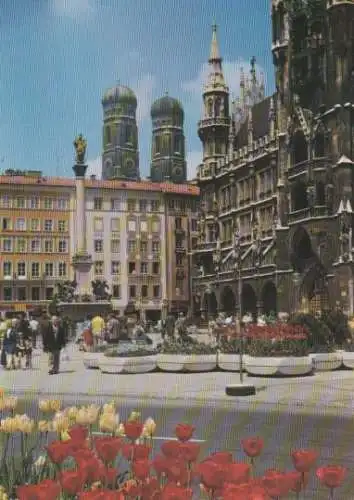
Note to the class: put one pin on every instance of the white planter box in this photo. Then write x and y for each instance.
(92, 359)
(230, 362)
(279, 366)
(326, 361)
(348, 359)
(186, 362)
(139, 364)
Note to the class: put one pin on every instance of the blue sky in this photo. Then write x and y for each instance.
(58, 56)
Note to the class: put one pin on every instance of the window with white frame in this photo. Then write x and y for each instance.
(155, 226)
(21, 269)
(7, 269)
(20, 224)
(115, 267)
(20, 202)
(62, 269)
(7, 245)
(48, 203)
(35, 269)
(132, 226)
(115, 204)
(115, 224)
(98, 224)
(99, 268)
(34, 202)
(49, 269)
(48, 246)
(35, 225)
(143, 226)
(35, 246)
(62, 246)
(155, 205)
(61, 226)
(21, 245)
(98, 204)
(115, 246)
(5, 201)
(48, 225)
(62, 203)
(98, 246)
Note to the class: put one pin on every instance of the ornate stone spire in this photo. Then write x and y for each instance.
(216, 79)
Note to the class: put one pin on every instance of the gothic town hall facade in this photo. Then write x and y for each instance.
(276, 179)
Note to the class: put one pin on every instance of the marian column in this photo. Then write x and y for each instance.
(82, 261)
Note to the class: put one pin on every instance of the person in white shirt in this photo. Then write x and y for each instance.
(34, 325)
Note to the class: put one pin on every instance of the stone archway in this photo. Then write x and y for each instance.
(210, 304)
(301, 251)
(228, 301)
(314, 295)
(269, 298)
(249, 301)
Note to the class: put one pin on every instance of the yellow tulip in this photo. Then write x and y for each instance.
(149, 428)
(108, 422)
(109, 407)
(93, 412)
(43, 426)
(134, 416)
(44, 405)
(82, 417)
(10, 402)
(60, 422)
(72, 412)
(55, 404)
(65, 436)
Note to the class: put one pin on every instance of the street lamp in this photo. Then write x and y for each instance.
(240, 389)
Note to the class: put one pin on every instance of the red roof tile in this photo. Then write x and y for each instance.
(164, 187)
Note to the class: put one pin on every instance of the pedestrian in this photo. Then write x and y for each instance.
(34, 326)
(97, 328)
(54, 339)
(9, 345)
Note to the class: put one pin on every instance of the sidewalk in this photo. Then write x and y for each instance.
(330, 392)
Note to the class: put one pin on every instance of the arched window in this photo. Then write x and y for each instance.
(128, 134)
(300, 152)
(320, 193)
(157, 144)
(108, 134)
(177, 144)
(299, 196)
(319, 144)
(210, 107)
(217, 107)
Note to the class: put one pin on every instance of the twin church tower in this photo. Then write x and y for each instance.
(120, 158)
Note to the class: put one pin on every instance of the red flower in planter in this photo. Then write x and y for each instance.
(141, 451)
(111, 474)
(174, 492)
(252, 446)
(78, 433)
(247, 491)
(277, 484)
(141, 469)
(177, 471)
(132, 489)
(58, 451)
(151, 489)
(304, 460)
(220, 457)
(41, 491)
(72, 481)
(92, 469)
(184, 432)
(331, 476)
(237, 473)
(160, 464)
(101, 495)
(133, 430)
(107, 448)
(301, 480)
(171, 449)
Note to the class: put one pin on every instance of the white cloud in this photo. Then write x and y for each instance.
(232, 73)
(144, 89)
(73, 8)
(95, 167)
(194, 158)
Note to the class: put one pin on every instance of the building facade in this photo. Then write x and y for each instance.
(276, 182)
(130, 235)
(35, 218)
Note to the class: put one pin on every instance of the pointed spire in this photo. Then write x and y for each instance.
(214, 48)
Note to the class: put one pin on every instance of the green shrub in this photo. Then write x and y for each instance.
(337, 323)
(318, 332)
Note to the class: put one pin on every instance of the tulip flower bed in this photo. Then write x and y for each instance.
(79, 465)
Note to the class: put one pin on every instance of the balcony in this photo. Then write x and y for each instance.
(301, 168)
(214, 121)
(206, 247)
(180, 231)
(180, 249)
(307, 213)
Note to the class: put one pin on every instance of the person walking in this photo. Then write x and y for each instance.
(34, 326)
(9, 345)
(97, 329)
(54, 339)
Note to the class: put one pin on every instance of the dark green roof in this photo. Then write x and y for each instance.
(166, 106)
(119, 94)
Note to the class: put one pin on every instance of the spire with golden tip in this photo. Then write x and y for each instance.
(216, 79)
(214, 49)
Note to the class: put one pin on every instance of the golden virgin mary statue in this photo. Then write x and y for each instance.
(80, 145)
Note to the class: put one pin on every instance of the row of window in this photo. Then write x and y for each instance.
(22, 224)
(34, 269)
(132, 226)
(99, 268)
(132, 205)
(34, 203)
(131, 246)
(22, 245)
(36, 293)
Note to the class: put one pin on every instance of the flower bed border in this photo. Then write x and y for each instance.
(326, 361)
(285, 366)
(186, 362)
(131, 364)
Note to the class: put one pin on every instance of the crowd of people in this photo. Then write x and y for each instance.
(21, 334)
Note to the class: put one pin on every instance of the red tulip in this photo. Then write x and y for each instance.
(237, 473)
(160, 464)
(301, 480)
(92, 469)
(151, 489)
(41, 491)
(133, 430)
(304, 460)
(184, 432)
(171, 449)
(107, 448)
(212, 474)
(189, 451)
(177, 472)
(174, 492)
(331, 476)
(72, 481)
(220, 457)
(101, 495)
(58, 451)
(141, 469)
(78, 433)
(252, 446)
(111, 474)
(141, 451)
(276, 483)
(247, 491)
